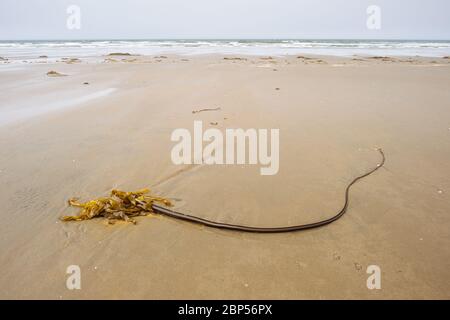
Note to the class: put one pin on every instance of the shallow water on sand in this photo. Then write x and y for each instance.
(12, 114)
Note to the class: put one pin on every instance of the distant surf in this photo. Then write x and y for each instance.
(16, 50)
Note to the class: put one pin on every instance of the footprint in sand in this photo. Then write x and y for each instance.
(301, 264)
(358, 267)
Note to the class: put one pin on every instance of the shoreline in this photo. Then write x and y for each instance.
(8, 60)
(18, 110)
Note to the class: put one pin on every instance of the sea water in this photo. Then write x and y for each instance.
(24, 50)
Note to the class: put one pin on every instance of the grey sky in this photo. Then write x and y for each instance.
(150, 19)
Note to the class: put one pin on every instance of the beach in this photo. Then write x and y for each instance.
(105, 122)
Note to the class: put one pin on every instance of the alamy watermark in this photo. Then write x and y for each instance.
(237, 146)
(74, 280)
(373, 21)
(73, 21)
(374, 280)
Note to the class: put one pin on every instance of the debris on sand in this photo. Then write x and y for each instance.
(207, 109)
(304, 58)
(383, 58)
(160, 57)
(214, 123)
(119, 54)
(85, 82)
(120, 205)
(53, 73)
(312, 60)
(43, 57)
(235, 58)
(3, 59)
(266, 58)
(72, 60)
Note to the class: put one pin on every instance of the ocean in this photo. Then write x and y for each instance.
(85, 48)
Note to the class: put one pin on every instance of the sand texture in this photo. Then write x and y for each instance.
(107, 124)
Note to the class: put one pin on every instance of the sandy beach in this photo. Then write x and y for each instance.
(106, 122)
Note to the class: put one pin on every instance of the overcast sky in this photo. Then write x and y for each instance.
(189, 19)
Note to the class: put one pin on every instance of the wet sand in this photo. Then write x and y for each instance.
(62, 138)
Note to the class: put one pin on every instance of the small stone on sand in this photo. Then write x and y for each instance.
(53, 73)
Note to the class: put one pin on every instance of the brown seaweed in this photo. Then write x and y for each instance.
(120, 205)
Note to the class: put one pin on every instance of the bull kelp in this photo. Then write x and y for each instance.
(120, 205)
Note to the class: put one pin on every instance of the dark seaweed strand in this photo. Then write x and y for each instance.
(182, 216)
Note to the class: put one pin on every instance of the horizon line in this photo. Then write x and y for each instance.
(228, 39)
